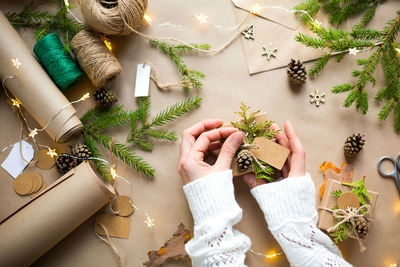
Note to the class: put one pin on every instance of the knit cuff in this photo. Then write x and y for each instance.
(211, 196)
(291, 199)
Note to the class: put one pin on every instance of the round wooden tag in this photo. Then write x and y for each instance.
(24, 183)
(44, 161)
(38, 181)
(123, 205)
(348, 199)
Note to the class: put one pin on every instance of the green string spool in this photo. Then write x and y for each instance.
(58, 63)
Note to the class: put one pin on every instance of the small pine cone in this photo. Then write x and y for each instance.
(296, 72)
(244, 159)
(80, 151)
(361, 226)
(65, 163)
(105, 97)
(353, 145)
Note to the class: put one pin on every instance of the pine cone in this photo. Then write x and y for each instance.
(361, 226)
(296, 72)
(80, 151)
(65, 163)
(244, 159)
(105, 97)
(353, 145)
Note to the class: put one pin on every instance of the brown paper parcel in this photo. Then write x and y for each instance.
(278, 27)
(44, 221)
(34, 88)
(326, 220)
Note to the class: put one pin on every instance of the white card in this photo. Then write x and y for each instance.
(142, 80)
(14, 164)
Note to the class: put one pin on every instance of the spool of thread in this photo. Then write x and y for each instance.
(109, 17)
(100, 65)
(58, 63)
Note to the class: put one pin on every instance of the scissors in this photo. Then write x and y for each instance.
(395, 173)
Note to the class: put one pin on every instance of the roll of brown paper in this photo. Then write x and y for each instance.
(34, 88)
(40, 224)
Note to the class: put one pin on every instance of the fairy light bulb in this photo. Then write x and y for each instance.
(16, 102)
(113, 172)
(149, 222)
(52, 153)
(107, 42)
(84, 97)
(255, 9)
(202, 19)
(316, 24)
(392, 265)
(147, 18)
(33, 133)
(16, 63)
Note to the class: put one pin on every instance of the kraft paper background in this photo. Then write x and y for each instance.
(322, 131)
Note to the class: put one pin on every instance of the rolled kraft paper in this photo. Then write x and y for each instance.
(40, 224)
(34, 88)
(100, 65)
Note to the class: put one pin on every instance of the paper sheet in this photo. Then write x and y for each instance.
(14, 164)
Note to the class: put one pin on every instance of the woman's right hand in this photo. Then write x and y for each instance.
(295, 165)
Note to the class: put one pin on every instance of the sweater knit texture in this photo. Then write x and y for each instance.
(288, 207)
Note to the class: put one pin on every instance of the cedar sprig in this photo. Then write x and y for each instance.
(175, 52)
(360, 190)
(340, 10)
(337, 193)
(142, 129)
(383, 47)
(251, 130)
(44, 22)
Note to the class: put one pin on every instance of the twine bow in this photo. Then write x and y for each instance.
(348, 215)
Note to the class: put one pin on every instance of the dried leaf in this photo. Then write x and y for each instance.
(344, 174)
(347, 174)
(174, 248)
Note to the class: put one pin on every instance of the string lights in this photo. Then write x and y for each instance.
(147, 18)
(16, 102)
(202, 19)
(52, 153)
(270, 255)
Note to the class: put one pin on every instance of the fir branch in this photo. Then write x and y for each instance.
(263, 174)
(337, 193)
(341, 233)
(174, 52)
(91, 143)
(360, 190)
(319, 65)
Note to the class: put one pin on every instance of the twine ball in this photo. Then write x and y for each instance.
(100, 65)
(111, 17)
(58, 63)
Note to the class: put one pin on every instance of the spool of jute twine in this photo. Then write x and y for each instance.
(100, 65)
(115, 17)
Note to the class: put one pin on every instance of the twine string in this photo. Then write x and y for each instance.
(165, 86)
(110, 244)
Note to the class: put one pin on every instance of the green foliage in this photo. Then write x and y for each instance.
(340, 10)
(341, 234)
(251, 130)
(337, 193)
(383, 47)
(192, 77)
(360, 190)
(45, 22)
(97, 120)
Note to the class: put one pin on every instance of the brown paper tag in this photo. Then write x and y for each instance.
(123, 206)
(116, 226)
(348, 199)
(24, 183)
(44, 161)
(270, 152)
(43, 187)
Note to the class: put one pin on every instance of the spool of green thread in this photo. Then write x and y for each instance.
(58, 63)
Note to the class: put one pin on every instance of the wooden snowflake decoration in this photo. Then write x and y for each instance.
(269, 51)
(248, 33)
(317, 97)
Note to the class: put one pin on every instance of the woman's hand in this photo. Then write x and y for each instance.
(295, 165)
(198, 141)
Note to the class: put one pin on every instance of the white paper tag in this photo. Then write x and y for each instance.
(142, 80)
(14, 164)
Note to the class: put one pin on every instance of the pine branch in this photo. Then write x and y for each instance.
(174, 52)
(263, 174)
(337, 193)
(319, 65)
(360, 190)
(91, 143)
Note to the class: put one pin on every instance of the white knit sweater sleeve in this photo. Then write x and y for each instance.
(215, 211)
(290, 211)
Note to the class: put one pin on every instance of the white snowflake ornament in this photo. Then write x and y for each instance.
(317, 97)
(248, 33)
(269, 51)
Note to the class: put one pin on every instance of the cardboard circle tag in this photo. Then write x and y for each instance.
(24, 183)
(38, 181)
(348, 199)
(123, 205)
(44, 161)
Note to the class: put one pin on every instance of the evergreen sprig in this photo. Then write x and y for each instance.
(383, 50)
(175, 52)
(45, 22)
(340, 10)
(360, 190)
(337, 193)
(97, 120)
(252, 129)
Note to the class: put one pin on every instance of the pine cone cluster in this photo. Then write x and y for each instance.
(353, 145)
(361, 225)
(67, 161)
(105, 97)
(296, 72)
(244, 160)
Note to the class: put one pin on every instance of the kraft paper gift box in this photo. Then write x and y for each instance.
(325, 218)
(278, 27)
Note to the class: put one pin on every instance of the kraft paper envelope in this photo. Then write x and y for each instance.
(278, 27)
